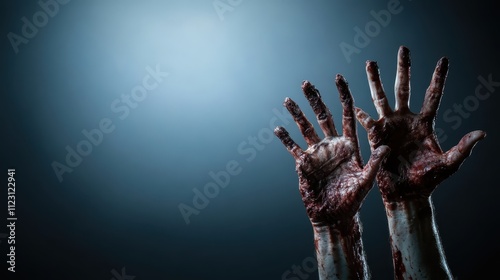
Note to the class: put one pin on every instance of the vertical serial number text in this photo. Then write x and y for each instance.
(11, 219)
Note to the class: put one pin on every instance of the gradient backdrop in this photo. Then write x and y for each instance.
(230, 65)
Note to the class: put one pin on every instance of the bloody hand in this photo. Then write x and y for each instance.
(332, 181)
(416, 164)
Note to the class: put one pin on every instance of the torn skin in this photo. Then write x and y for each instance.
(414, 168)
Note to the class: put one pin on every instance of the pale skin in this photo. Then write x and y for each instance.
(414, 168)
(333, 182)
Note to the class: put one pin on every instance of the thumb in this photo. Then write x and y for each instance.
(373, 165)
(456, 155)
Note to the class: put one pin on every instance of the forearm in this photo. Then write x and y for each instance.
(415, 243)
(339, 251)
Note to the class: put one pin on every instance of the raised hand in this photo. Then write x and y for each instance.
(332, 180)
(414, 168)
(333, 183)
(416, 164)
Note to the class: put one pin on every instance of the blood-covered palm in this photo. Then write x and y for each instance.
(332, 181)
(417, 164)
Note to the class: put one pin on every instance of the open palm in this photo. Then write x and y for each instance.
(332, 180)
(417, 164)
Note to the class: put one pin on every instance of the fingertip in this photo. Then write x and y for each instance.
(371, 65)
(443, 64)
(288, 102)
(309, 89)
(404, 49)
(404, 54)
(381, 152)
(343, 89)
(468, 142)
(480, 134)
(476, 135)
(341, 81)
(375, 161)
(384, 150)
(306, 84)
(280, 131)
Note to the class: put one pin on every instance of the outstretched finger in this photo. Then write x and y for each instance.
(456, 155)
(435, 90)
(366, 121)
(402, 85)
(373, 165)
(348, 121)
(323, 115)
(377, 90)
(306, 128)
(290, 145)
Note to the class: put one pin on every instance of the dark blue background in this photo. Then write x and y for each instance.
(119, 207)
